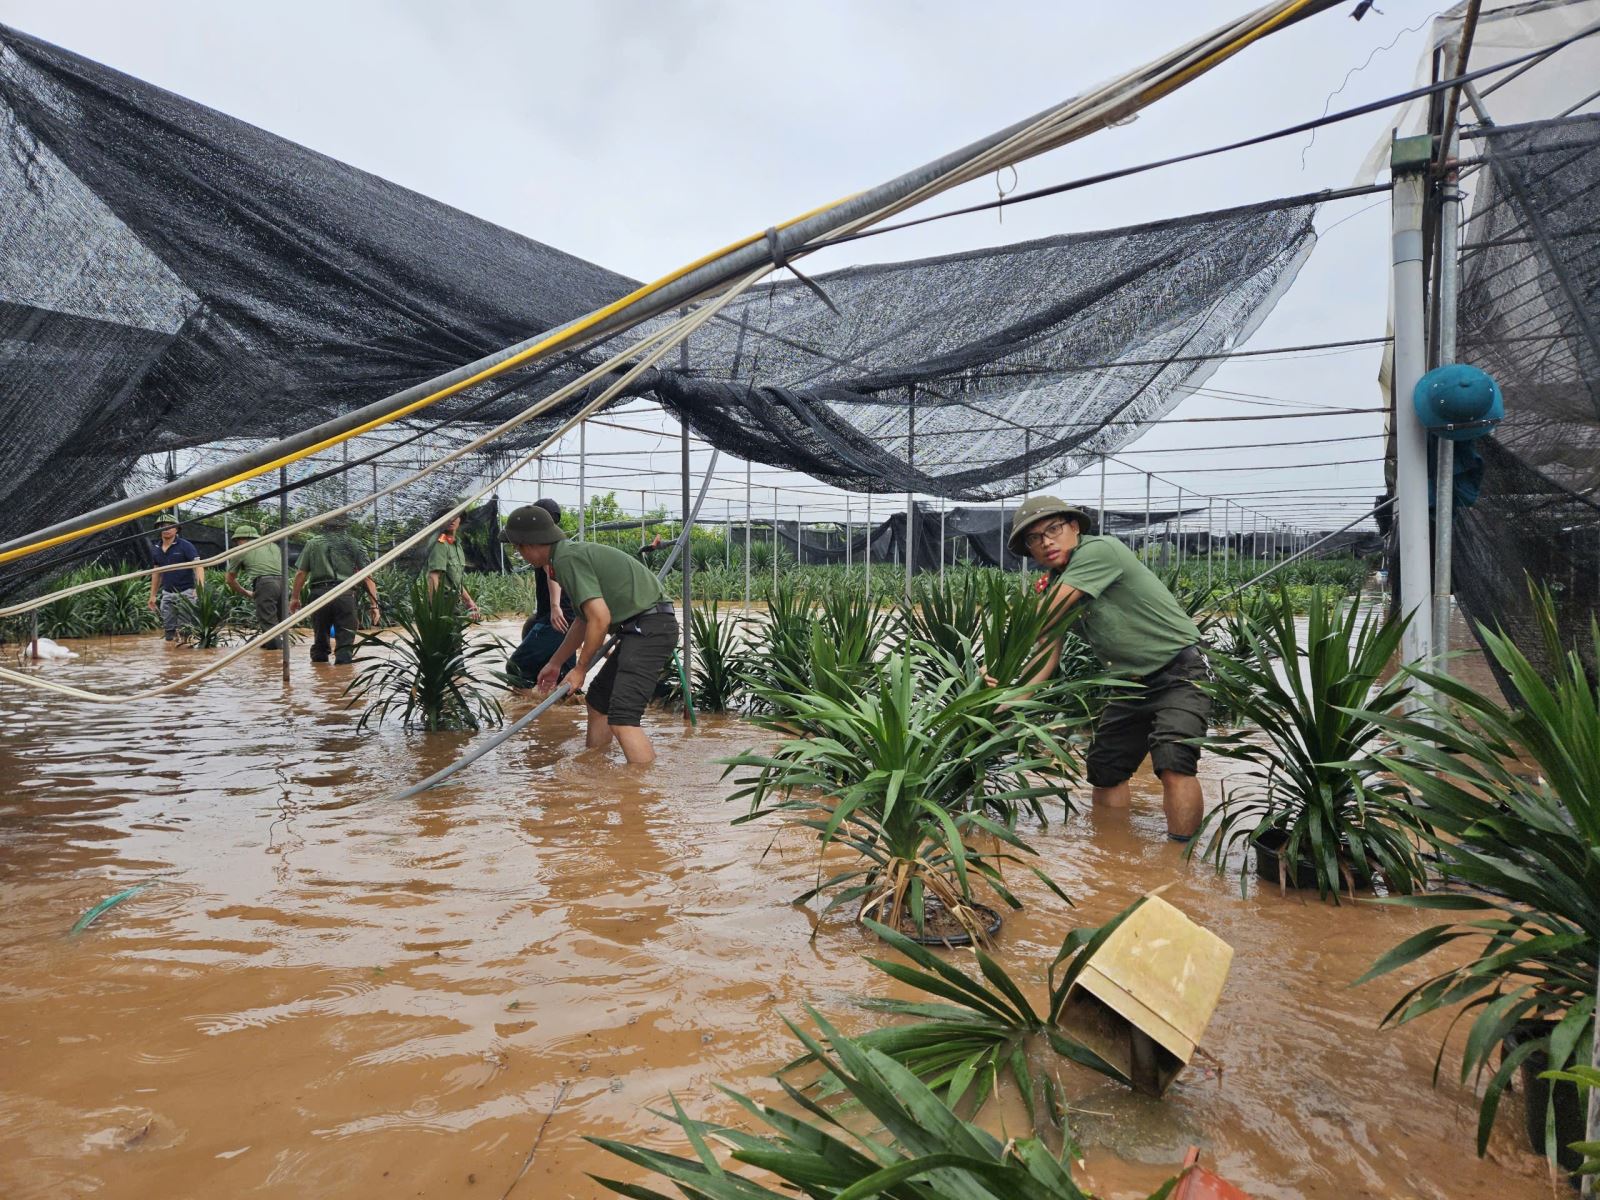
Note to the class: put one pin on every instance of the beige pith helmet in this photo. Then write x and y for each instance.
(1035, 509)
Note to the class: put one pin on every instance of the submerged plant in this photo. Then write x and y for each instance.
(426, 673)
(207, 618)
(721, 662)
(924, 1152)
(889, 769)
(1320, 798)
(982, 1035)
(1528, 845)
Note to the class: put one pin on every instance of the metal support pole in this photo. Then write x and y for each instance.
(799, 547)
(869, 546)
(1101, 528)
(849, 548)
(1409, 159)
(727, 535)
(1002, 539)
(774, 541)
(1179, 526)
(283, 563)
(644, 530)
(747, 527)
(942, 514)
(33, 637)
(1144, 550)
(377, 546)
(1444, 449)
(583, 491)
(911, 503)
(911, 540)
(686, 564)
(1210, 549)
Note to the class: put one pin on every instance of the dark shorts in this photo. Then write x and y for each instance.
(1156, 720)
(540, 640)
(628, 680)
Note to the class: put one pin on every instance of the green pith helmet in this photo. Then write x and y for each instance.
(1035, 509)
(167, 518)
(531, 525)
(244, 532)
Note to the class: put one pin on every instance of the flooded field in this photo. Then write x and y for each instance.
(322, 994)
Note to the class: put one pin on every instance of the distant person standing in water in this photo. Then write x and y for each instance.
(257, 572)
(543, 631)
(328, 559)
(173, 582)
(447, 563)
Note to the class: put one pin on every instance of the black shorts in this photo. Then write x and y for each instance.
(1156, 719)
(628, 680)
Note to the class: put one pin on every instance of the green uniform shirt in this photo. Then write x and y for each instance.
(588, 570)
(262, 558)
(450, 560)
(317, 562)
(1131, 620)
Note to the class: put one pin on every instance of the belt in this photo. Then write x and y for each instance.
(1187, 655)
(665, 607)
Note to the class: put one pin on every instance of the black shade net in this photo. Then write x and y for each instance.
(1530, 316)
(177, 286)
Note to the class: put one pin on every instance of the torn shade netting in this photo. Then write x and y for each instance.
(176, 284)
(1530, 316)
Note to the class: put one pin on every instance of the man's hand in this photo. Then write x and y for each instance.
(574, 681)
(990, 680)
(546, 683)
(294, 604)
(558, 619)
(152, 605)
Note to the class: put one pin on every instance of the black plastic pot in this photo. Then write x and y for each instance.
(1571, 1107)
(908, 929)
(1269, 849)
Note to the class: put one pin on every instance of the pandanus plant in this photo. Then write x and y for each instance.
(207, 617)
(1510, 798)
(721, 659)
(913, 1148)
(1318, 793)
(426, 671)
(887, 768)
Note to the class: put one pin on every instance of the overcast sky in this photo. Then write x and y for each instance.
(641, 135)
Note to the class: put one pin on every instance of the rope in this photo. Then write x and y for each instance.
(684, 329)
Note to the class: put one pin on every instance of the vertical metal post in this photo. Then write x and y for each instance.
(869, 546)
(775, 519)
(727, 535)
(227, 540)
(644, 530)
(1001, 559)
(377, 545)
(33, 637)
(943, 508)
(344, 475)
(747, 526)
(849, 543)
(1444, 448)
(686, 560)
(1144, 550)
(283, 563)
(911, 503)
(1101, 528)
(1210, 549)
(1409, 159)
(583, 492)
(1179, 519)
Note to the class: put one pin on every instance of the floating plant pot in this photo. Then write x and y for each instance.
(1571, 1111)
(1269, 857)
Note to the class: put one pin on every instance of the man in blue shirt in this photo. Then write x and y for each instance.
(172, 581)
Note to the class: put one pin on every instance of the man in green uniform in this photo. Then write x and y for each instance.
(1134, 625)
(257, 572)
(328, 559)
(447, 564)
(613, 592)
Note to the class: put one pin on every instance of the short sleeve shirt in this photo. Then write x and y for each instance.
(317, 563)
(541, 599)
(261, 558)
(1131, 620)
(181, 551)
(588, 570)
(450, 560)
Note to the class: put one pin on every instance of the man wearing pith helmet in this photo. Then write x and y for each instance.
(613, 593)
(1135, 627)
(257, 572)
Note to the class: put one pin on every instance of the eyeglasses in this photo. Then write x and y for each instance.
(1043, 534)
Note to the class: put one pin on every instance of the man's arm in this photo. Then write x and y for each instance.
(231, 580)
(577, 633)
(199, 572)
(596, 620)
(472, 605)
(294, 590)
(1062, 597)
(558, 616)
(155, 589)
(433, 581)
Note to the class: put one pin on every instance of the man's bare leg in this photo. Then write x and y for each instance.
(636, 747)
(1116, 796)
(1181, 799)
(599, 730)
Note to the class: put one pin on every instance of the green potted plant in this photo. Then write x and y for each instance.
(425, 668)
(1510, 797)
(888, 768)
(1317, 810)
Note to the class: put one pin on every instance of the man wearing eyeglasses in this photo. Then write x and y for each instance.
(1141, 633)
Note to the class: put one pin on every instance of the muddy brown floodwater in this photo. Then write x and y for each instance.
(326, 995)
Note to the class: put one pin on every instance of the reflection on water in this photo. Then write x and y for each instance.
(325, 995)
